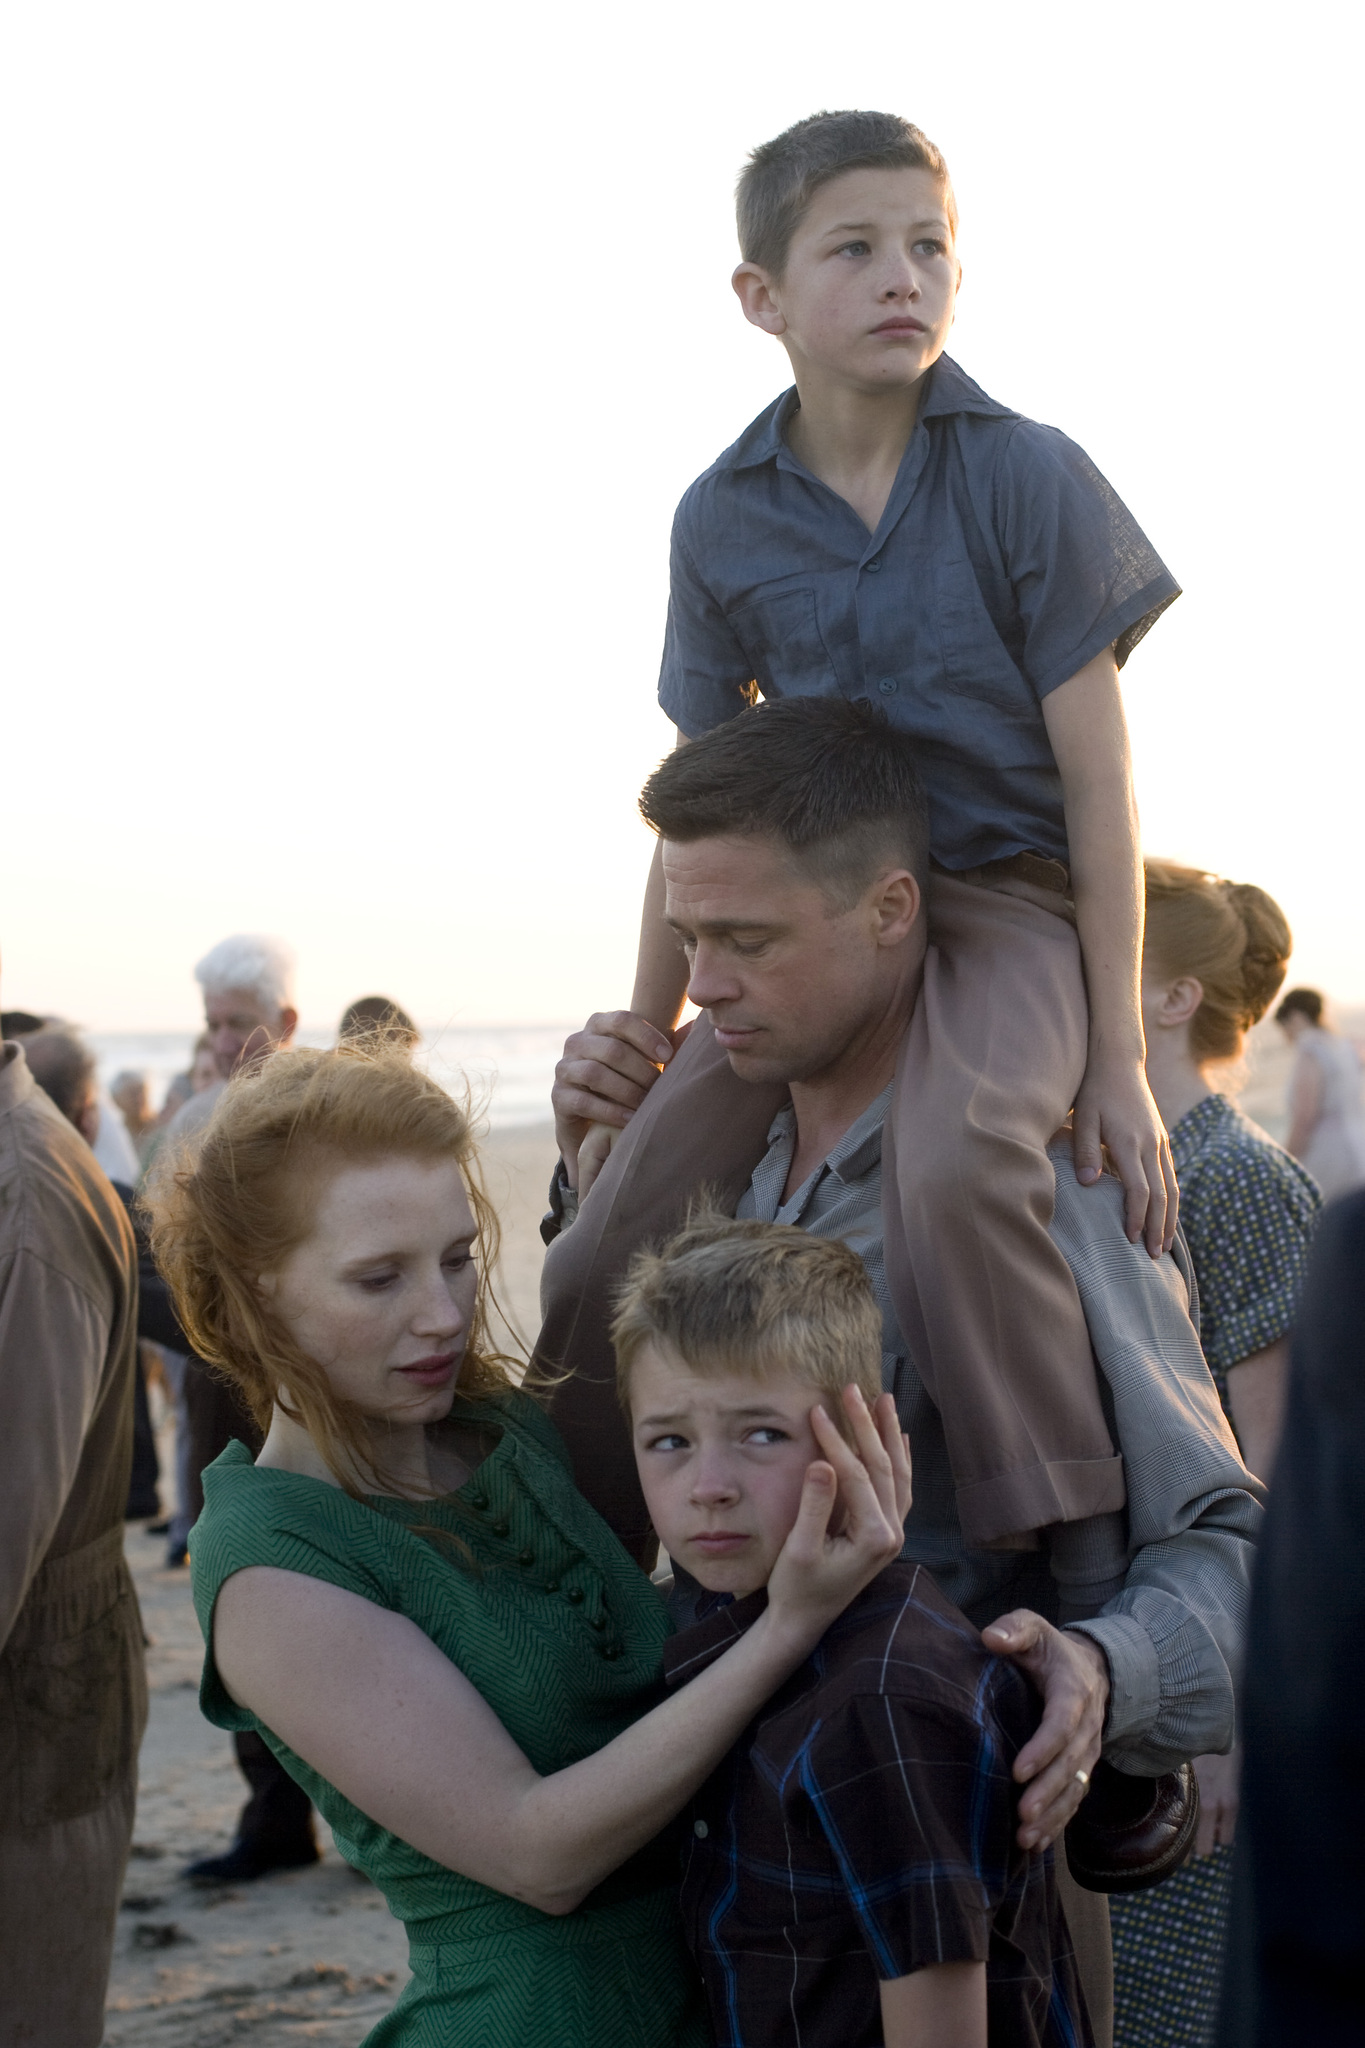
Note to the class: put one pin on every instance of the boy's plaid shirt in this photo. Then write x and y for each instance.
(863, 1828)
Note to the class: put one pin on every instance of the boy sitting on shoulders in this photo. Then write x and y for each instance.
(888, 531)
(852, 1875)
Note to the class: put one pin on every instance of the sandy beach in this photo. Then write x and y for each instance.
(302, 1956)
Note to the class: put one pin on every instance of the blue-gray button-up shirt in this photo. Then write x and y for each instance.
(1002, 564)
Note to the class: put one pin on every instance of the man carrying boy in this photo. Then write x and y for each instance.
(887, 531)
(793, 846)
(851, 1876)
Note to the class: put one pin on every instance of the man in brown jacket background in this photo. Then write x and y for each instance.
(73, 1695)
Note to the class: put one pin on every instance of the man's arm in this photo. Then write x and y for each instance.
(53, 1343)
(1089, 737)
(1173, 1636)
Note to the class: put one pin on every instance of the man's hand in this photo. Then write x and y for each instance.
(1220, 1785)
(1072, 1674)
(1115, 1109)
(606, 1072)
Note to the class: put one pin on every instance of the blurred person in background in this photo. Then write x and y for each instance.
(1214, 955)
(131, 1096)
(1296, 1967)
(378, 1017)
(63, 1066)
(73, 1692)
(1326, 1114)
(248, 987)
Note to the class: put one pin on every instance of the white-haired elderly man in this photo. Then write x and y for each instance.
(248, 984)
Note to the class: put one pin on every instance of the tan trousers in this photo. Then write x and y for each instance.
(59, 1896)
(1087, 1919)
(989, 1070)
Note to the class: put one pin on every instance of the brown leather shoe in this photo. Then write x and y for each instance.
(1131, 1833)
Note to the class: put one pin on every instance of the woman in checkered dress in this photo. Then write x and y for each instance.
(1214, 956)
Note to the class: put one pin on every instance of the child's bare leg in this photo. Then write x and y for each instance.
(989, 1308)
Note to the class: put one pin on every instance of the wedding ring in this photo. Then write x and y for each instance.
(1083, 1779)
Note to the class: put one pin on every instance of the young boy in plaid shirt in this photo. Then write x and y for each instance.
(851, 1874)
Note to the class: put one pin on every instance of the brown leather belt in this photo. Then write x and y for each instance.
(1034, 868)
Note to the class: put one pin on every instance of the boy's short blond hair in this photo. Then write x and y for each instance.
(731, 1296)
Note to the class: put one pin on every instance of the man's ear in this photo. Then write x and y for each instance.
(756, 291)
(898, 903)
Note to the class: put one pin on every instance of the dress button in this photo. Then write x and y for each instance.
(700, 1830)
(611, 1651)
(597, 1621)
(552, 1585)
(872, 567)
(479, 1501)
(574, 1596)
(888, 686)
(526, 1557)
(499, 1528)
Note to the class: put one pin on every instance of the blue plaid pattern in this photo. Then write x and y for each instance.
(863, 1829)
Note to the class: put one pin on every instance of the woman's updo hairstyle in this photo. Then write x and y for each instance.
(1230, 936)
(234, 1206)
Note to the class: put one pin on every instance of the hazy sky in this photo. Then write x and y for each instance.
(355, 358)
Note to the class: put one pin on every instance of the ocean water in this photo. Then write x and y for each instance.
(507, 1068)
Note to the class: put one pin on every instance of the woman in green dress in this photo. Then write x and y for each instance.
(408, 1600)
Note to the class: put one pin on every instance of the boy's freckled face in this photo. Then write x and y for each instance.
(870, 282)
(722, 1462)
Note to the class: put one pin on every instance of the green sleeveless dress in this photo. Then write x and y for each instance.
(541, 1608)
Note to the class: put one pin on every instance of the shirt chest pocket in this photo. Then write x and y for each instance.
(781, 636)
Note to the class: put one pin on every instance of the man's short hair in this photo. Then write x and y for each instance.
(832, 780)
(782, 176)
(262, 967)
(64, 1067)
(731, 1296)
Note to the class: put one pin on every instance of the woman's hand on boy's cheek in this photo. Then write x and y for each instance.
(1072, 1674)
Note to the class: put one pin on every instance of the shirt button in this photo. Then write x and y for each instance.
(888, 686)
(611, 1651)
(526, 1557)
(700, 1830)
(574, 1596)
(597, 1621)
(499, 1528)
(872, 567)
(479, 1501)
(552, 1585)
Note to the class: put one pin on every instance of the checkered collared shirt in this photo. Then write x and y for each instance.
(863, 1828)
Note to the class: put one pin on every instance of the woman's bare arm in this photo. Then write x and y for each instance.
(941, 2007)
(1256, 1394)
(369, 1701)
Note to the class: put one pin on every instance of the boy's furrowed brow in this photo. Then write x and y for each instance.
(742, 1412)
